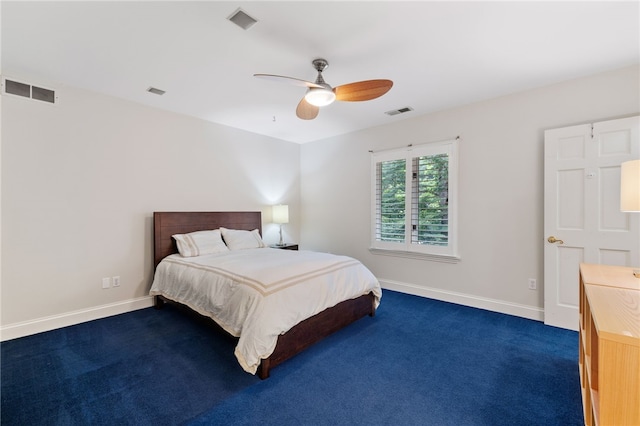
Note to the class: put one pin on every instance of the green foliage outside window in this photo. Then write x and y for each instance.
(432, 225)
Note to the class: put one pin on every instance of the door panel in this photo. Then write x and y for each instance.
(568, 257)
(611, 218)
(571, 207)
(615, 257)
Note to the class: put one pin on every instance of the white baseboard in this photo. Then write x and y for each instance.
(39, 325)
(524, 311)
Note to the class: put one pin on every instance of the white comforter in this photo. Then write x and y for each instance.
(258, 294)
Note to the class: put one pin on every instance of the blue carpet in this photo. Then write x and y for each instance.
(419, 361)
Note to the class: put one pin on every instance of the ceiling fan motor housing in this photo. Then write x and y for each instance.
(320, 64)
(320, 96)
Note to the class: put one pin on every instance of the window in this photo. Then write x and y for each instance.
(414, 207)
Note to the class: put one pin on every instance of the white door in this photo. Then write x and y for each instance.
(582, 209)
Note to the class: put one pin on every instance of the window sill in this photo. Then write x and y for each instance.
(415, 255)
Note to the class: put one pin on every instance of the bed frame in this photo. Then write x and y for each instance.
(301, 336)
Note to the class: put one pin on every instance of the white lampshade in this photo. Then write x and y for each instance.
(630, 186)
(320, 96)
(280, 213)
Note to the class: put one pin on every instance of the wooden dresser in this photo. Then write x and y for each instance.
(609, 345)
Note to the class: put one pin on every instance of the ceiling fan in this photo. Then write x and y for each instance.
(321, 94)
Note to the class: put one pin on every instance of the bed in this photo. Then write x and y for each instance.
(306, 331)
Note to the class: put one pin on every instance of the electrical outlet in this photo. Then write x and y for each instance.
(532, 284)
(106, 282)
(116, 281)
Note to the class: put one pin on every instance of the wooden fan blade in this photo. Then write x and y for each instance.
(306, 111)
(291, 80)
(362, 90)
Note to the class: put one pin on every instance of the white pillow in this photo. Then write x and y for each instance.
(199, 243)
(239, 240)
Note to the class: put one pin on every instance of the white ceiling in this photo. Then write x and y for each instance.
(439, 54)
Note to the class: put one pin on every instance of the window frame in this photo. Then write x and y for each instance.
(448, 253)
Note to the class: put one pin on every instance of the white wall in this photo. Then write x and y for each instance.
(80, 182)
(501, 190)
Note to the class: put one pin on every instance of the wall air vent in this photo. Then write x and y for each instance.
(241, 19)
(399, 111)
(16, 88)
(156, 91)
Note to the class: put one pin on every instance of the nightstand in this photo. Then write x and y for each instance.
(286, 247)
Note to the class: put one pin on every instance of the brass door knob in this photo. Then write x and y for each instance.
(553, 239)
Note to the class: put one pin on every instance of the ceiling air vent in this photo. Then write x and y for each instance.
(241, 19)
(12, 87)
(156, 91)
(399, 111)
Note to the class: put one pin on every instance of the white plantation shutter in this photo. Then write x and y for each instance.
(429, 200)
(389, 211)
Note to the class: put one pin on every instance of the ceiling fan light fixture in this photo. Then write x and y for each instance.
(320, 96)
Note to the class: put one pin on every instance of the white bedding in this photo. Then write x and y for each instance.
(258, 294)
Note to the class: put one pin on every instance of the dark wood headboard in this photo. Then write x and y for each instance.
(166, 224)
